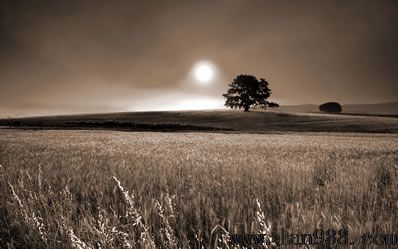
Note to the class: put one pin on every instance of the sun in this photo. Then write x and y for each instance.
(203, 72)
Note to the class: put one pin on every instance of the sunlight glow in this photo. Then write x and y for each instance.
(203, 72)
(197, 103)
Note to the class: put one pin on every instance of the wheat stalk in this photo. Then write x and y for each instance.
(145, 238)
(265, 227)
(171, 240)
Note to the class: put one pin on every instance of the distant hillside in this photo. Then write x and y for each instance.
(382, 108)
(390, 108)
(212, 121)
(298, 108)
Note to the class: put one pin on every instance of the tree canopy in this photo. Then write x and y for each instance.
(246, 91)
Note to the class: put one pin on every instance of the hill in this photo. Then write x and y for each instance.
(389, 108)
(381, 108)
(217, 120)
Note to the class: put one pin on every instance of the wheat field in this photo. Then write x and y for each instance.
(107, 189)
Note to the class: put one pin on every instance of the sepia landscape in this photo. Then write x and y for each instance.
(87, 188)
(198, 124)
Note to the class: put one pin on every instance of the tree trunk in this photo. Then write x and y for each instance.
(247, 108)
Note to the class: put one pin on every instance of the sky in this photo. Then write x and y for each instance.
(104, 56)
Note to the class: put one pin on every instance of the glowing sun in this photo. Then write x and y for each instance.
(203, 72)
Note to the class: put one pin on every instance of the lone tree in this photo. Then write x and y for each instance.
(330, 107)
(246, 91)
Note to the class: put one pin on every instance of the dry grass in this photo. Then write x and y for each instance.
(102, 189)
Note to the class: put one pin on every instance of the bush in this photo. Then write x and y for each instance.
(330, 107)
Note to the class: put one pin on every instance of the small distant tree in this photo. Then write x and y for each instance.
(331, 107)
(246, 91)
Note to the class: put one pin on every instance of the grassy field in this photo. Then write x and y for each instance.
(108, 189)
(219, 120)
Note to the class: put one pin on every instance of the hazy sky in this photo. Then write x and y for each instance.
(100, 56)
